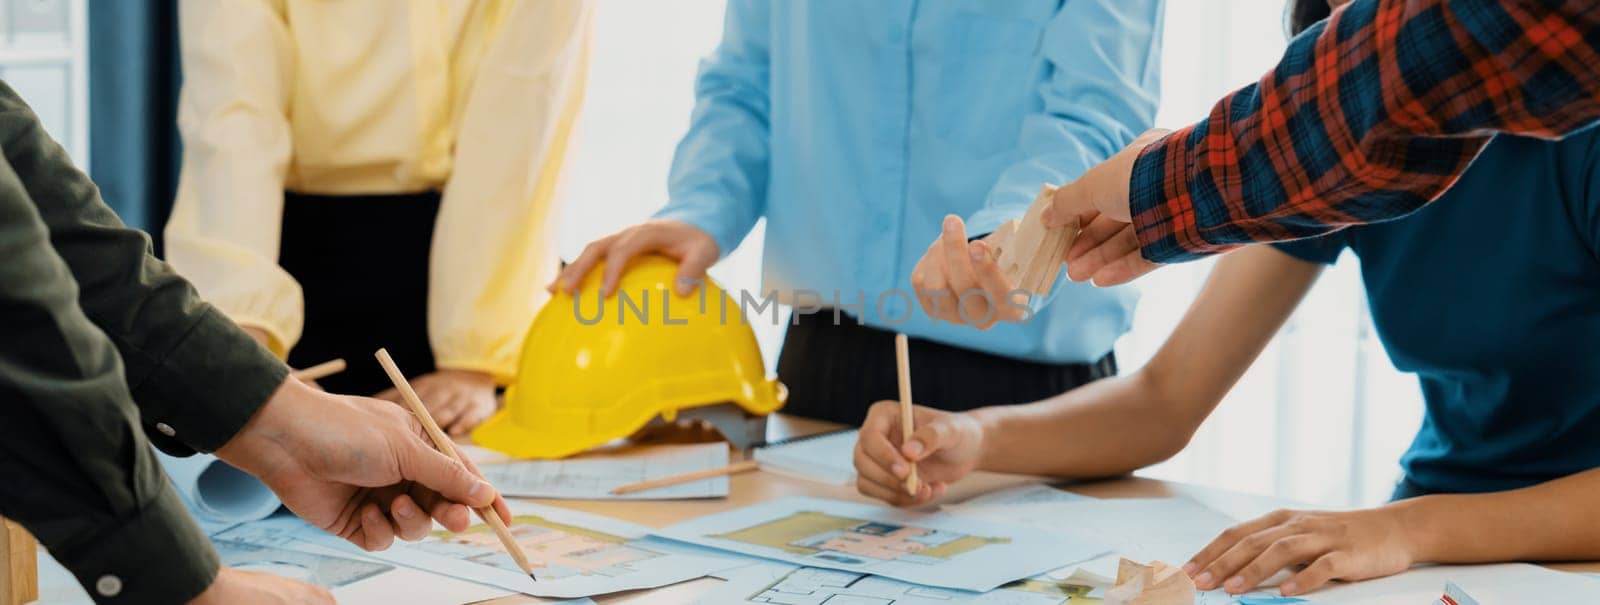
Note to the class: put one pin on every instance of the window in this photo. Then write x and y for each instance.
(43, 55)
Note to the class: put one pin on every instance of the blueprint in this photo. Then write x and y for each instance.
(931, 549)
(593, 477)
(778, 584)
(279, 546)
(583, 555)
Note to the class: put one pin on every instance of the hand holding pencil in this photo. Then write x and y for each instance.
(494, 517)
(907, 455)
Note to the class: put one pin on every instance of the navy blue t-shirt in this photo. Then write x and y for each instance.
(1491, 295)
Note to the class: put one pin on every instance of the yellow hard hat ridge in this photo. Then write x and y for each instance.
(596, 370)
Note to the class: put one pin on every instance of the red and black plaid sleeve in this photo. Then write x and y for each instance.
(1368, 116)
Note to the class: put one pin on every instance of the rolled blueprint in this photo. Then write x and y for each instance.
(217, 492)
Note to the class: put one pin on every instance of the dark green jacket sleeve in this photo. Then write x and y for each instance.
(196, 377)
(90, 323)
(78, 470)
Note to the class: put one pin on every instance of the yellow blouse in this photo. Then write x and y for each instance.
(475, 98)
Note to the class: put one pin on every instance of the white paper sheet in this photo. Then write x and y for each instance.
(1143, 529)
(584, 555)
(932, 549)
(217, 493)
(1490, 584)
(772, 583)
(593, 477)
(1022, 494)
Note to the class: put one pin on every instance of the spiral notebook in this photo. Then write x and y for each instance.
(824, 457)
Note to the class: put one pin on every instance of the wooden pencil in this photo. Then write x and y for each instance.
(902, 359)
(444, 444)
(731, 469)
(321, 370)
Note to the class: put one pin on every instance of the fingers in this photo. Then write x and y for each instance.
(1224, 571)
(573, 273)
(1095, 231)
(631, 244)
(475, 414)
(927, 278)
(1321, 571)
(928, 439)
(1067, 202)
(880, 469)
(444, 475)
(411, 523)
(1005, 300)
(1123, 270)
(1086, 256)
(376, 532)
(1113, 255)
(1287, 551)
(697, 258)
(1223, 542)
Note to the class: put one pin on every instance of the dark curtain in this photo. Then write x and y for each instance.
(133, 102)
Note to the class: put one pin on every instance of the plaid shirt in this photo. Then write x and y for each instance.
(1368, 116)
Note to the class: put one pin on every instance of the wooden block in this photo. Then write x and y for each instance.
(1153, 584)
(19, 565)
(1030, 254)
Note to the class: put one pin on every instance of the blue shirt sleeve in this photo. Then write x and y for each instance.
(1100, 90)
(718, 180)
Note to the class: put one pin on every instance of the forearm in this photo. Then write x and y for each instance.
(195, 376)
(79, 473)
(1377, 129)
(719, 174)
(1110, 427)
(1552, 521)
(1118, 425)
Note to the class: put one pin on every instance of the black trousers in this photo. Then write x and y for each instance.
(835, 372)
(362, 264)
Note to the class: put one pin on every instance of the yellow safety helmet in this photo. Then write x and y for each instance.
(592, 371)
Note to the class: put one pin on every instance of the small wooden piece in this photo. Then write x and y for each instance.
(1030, 254)
(1153, 584)
(731, 469)
(447, 447)
(321, 370)
(902, 363)
(19, 565)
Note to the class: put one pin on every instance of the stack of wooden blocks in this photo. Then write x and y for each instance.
(1153, 584)
(1030, 254)
(19, 565)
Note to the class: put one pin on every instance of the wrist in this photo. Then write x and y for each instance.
(259, 446)
(990, 421)
(1415, 521)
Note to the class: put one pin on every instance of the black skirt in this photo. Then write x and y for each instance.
(835, 372)
(362, 264)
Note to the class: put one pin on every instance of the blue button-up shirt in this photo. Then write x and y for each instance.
(854, 127)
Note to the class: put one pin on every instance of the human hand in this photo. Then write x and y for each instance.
(944, 447)
(1107, 250)
(236, 587)
(961, 282)
(459, 400)
(359, 468)
(1323, 546)
(692, 248)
